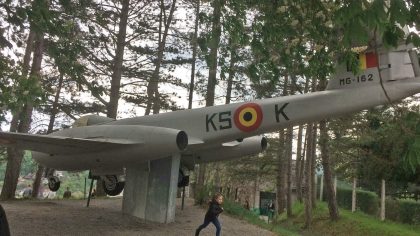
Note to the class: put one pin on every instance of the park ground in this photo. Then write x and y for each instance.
(104, 217)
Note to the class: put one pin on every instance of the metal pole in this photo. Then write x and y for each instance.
(383, 200)
(321, 187)
(90, 192)
(353, 196)
(183, 197)
(84, 190)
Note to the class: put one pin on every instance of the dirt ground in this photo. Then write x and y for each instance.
(104, 217)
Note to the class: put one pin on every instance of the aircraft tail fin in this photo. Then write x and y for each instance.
(395, 64)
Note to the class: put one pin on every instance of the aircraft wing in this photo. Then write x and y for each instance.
(60, 145)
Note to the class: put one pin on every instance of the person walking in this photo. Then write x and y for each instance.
(67, 194)
(212, 214)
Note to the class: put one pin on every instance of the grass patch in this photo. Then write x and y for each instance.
(349, 224)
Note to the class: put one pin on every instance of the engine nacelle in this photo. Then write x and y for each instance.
(229, 151)
(111, 146)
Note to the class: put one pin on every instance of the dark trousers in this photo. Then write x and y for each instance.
(216, 223)
(4, 225)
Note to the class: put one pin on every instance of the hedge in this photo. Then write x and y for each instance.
(405, 211)
(367, 202)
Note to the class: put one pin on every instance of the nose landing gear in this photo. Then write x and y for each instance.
(112, 185)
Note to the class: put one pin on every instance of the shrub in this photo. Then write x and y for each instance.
(392, 210)
(404, 211)
(203, 195)
(366, 201)
(344, 198)
(409, 212)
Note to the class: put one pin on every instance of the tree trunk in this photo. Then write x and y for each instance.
(281, 174)
(15, 156)
(313, 164)
(282, 161)
(54, 111)
(8, 190)
(289, 146)
(328, 178)
(211, 85)
(300, 170)
(299, 160)
(153, 86)
(303, 163)
(256, 191)
(308, 180)
(313, 152)
(233, 59)
(37, 181)
(28, 51)
(112, 106)
(214, 46)
(200, 178)
(217, 181)
(14, 160)
(194, 54)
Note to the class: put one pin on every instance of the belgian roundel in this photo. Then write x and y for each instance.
(248, 117)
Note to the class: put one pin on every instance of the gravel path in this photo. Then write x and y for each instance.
(104, 217)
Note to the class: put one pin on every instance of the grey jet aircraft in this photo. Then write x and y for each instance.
(106, 146)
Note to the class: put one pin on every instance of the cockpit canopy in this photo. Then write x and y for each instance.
(91, 120)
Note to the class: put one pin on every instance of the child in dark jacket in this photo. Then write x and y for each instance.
(212, 214)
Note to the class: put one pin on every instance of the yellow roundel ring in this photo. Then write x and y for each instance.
(248, 117)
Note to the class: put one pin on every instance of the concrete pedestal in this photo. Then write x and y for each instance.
(150, 190)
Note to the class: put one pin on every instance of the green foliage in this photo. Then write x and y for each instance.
(412, 141)
(392, 211)
(203, 195)
(410, 212)
(17, 91)
(235, 209)
(378, 144)
(76, 184)
(29, 166)
(405, 211)
(362, 21)
(366, 201)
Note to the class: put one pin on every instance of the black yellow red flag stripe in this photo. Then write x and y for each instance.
(367, 60)
(248, 117)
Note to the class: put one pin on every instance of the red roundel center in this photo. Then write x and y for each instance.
(248, 117)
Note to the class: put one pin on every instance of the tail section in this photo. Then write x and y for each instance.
(395, 64)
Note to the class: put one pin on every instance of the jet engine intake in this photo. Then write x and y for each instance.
(182, 140)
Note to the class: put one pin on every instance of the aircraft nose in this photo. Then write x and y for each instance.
(182, 140)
